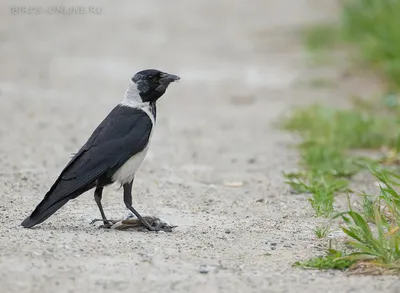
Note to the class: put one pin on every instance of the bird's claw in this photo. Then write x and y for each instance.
(153, 224)
(107, 223)
(106, 226)
(149, 223)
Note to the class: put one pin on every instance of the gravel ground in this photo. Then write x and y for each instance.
(214, 166)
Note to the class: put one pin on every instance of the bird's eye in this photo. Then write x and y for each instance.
(150, 77)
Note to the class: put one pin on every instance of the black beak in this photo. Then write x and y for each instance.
(168, 78)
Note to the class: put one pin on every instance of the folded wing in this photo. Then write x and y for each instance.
(122, 134)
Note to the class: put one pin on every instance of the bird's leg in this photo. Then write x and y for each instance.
(128, 204)
(98, 193)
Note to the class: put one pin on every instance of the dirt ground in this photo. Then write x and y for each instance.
(241, 63)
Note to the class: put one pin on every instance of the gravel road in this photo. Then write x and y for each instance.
(215, 162)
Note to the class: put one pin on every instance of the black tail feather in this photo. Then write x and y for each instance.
(40, 215)
(59, 194)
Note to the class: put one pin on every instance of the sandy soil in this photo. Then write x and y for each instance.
(240, 64)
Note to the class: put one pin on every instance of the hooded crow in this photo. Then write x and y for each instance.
(114, 151)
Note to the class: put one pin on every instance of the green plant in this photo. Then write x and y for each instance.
(297, 181)
(380, 243)
(372, 26)
(321, 186)
(321, 37)
(328, 135)
(332, 260)
(341, 129)
(323, 192)
(322, 231)
(322, 83)
(367, 207)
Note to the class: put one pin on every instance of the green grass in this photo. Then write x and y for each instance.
(326, 136)
(379, 241)
(367, 205)
(339, 129)
(332, 260)
(322, 188)
(319, 40)
(321, 37)
(330, 139)
(322, 83)
(373, 27)
(322, 231)
(373, 232)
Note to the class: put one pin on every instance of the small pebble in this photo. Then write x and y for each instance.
(204, 269)
(251, 160)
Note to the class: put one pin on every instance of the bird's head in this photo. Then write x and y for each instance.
(152, 84)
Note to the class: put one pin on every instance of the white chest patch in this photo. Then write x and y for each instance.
(127, 172)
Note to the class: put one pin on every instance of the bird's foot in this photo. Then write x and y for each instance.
(149, 223)
(106, 224)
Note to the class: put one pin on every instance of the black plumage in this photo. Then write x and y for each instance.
(122, 134)
(113, 152)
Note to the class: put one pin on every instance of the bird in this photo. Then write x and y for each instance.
(114, 151)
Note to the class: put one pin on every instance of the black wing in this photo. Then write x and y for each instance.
(122, 134)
